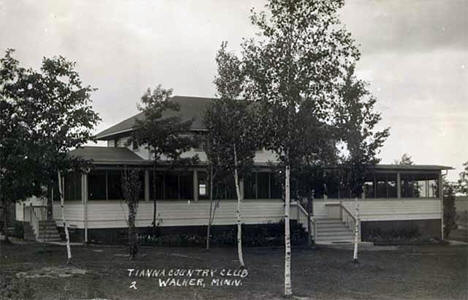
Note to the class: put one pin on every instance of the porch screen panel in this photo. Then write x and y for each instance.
(250, 186)
(409, 186)
(276, 186)
(263, 182)
(97, 185)
(141, 179)
(186, 185)
(114, 183)
(392, 188)
(72, 186)
(381, 187)
(156, 180)
(171, 186)
(433, 190)
(231, 189)
(369, 187)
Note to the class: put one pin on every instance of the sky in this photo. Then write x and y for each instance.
(414, 56)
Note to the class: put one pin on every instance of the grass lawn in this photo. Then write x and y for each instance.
(412, 272)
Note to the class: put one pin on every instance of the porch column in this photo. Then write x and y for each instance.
(398, 180)
(84, 200)
(195, 185)
(441, 197)
(147, 185)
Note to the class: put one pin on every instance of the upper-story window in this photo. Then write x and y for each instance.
(200, 141)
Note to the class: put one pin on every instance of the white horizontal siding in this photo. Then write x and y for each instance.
(73, 213)
(114, 214)
(386, 209)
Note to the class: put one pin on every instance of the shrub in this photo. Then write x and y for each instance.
(19, 229)
(449, 209)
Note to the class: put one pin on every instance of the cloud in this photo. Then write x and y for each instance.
(404, 26)
(414, 55)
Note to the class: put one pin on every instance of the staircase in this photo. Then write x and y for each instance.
(332, 231)
(47, 232)
(37, 227)
(329, 230)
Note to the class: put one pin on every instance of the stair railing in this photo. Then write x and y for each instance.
(36, 213)
(302, 216)
(349, 219)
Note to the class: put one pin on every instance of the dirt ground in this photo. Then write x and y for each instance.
(38, 271)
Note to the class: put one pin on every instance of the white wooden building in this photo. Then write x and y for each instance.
(395, 195)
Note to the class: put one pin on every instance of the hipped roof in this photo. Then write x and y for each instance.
(191, 108)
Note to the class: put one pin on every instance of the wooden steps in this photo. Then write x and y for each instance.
(47, 232)
(332, 231)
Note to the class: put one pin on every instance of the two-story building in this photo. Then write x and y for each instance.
(396, 196)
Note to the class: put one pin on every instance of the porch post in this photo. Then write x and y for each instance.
(84, 199)
(195, 185)
(147, 185)
(398, 180)
(441, 197)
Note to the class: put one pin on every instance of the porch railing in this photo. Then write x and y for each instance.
(302, 216)
(33, 214)
(350, 219)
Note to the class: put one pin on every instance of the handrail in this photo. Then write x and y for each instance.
(307, 215)
(36, 213)
(346, 219)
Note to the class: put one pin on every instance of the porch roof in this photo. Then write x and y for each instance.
(108, 155)
(412, 167)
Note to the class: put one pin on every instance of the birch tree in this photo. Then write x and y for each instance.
(356, 120)
(294, 67)
(232, 130)
(61, 189)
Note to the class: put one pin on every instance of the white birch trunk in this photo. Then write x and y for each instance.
(239, 224)
(287, 238)
(65, 226)
(356, 232)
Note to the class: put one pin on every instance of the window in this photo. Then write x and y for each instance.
(202, 185)
(200, 140)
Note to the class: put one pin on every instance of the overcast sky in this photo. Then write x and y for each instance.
(414, 55)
